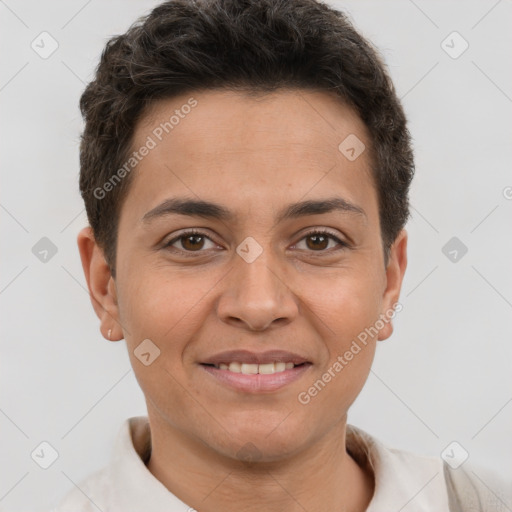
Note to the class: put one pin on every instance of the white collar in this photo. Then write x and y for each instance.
(403, 481)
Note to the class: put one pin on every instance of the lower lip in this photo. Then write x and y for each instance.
(258, 382)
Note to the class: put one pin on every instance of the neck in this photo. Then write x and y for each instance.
(321, 477)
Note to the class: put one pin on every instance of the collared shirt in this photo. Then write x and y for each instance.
(403, 481)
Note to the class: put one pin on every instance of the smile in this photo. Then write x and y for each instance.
(253, 369)
(256, 378)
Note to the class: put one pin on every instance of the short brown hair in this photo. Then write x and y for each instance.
(254, 45)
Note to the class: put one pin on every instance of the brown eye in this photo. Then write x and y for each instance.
(190, 241)
(318, 241)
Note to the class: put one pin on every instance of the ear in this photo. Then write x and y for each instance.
(101, 284)
(395, 271)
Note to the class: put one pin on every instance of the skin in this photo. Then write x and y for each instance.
(254, 156)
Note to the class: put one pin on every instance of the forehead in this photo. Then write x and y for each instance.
(275, 145)
(312, 120)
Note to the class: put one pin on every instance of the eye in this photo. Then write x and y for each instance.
(190, 241)
(318, 241)
(194, 241)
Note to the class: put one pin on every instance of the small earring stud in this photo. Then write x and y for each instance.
(109, 334)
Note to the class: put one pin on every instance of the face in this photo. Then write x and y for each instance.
(284, 264)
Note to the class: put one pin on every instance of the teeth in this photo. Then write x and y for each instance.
(253, 369)
(249, 369)
(266, 368)
(280, 367)
(235, 367)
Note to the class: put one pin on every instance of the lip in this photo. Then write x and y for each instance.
(246, 356)
(257, 383)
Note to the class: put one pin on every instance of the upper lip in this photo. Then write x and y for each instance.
(248, 357)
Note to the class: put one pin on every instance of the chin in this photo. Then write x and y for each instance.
(262, 444)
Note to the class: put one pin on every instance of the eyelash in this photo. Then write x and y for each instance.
(194, 232)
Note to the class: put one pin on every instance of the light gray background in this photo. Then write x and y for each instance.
(443, 376)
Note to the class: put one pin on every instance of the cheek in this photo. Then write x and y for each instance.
(348, 305)
(166, 310)
(161, 307)
(348, 310)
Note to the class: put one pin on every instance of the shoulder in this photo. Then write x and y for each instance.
(400, 475)
(403, 480)
(89, 495)
(473, 488)
(111, 488)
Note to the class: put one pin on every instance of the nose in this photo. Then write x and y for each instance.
(257, 295)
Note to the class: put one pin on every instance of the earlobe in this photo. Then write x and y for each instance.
(101, 285)
(395, 271)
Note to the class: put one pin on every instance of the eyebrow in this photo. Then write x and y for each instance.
(210, 210)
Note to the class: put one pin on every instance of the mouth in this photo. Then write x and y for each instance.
(255, 369)
(250, 372)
